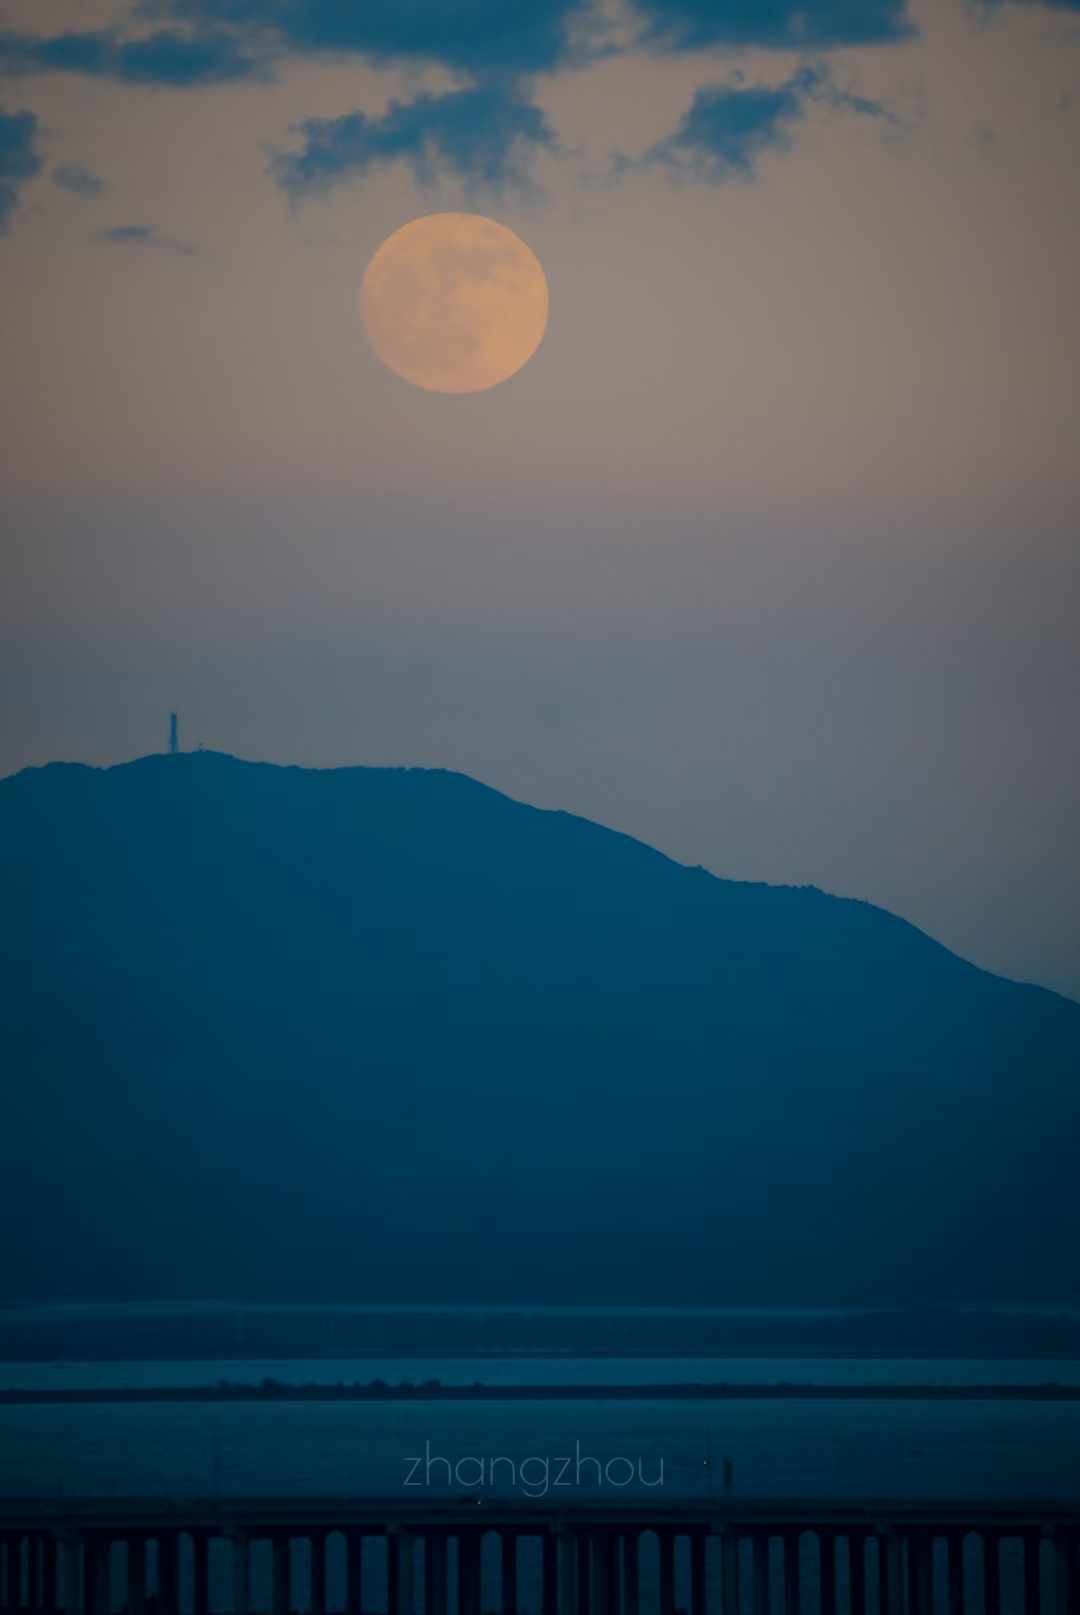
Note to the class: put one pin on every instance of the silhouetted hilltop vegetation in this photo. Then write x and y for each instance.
(385, 1034)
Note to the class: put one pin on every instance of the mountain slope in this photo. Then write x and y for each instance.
(385, 1034)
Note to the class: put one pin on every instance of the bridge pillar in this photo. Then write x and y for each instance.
(12, 1571)
(469, 1572)
(954, 1546)
(317, 1543)
(50, 1566)
(827, 1552)
(631, 1573)
(761, 1592)
(407, 1572)
(280, 1573)
(792, 1582)
(94, 1577)
(354, 1572)
(991, 1545)
(567, 1573)
(601, 1586)
(857, 1573)
(97, 1574)
(667, 1571)
(1032, 1573)
(200, 1573)
(31, 1574)
(436, 1587)
(552, 1554)
(241, 1573)
(168, 1572)
(1066, 1578)
(582, 1574)
(920, 1573)
(71, 1549)
(136, 1575)
(34, 1547)
(106, 1586)
(400, 1573)
(699, 1587)
(613, 1552)
(393, 1573)
(605, 1572)
(890, 1581)
(508, 1549)
(729, 1572)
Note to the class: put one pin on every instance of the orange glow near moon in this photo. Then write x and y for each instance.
(454, 302)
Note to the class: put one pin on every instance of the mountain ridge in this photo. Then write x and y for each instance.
(426, 772)
(421, 1039)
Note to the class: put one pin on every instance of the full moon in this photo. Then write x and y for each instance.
(454, 302)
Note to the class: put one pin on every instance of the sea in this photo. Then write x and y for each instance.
(686, 1448)
(536, 1452)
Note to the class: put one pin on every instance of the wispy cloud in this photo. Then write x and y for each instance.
(165, 58)
(19, 160)
(779, 24)
(477, 36)
(141, 235)
(728, 127)
(485, 137)
(1051, 5)
(78, 180)
(525, 37)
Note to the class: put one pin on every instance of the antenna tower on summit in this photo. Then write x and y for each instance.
(174, 739)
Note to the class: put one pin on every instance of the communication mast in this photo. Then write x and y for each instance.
(174, 739)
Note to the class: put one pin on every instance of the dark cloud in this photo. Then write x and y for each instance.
(78, 180)
(780, 24)
(534, 35)
(485, 137)
(165, 58)
(729, 126)
(141, 235)
(18, 159)
(479, 36)
(226, 40)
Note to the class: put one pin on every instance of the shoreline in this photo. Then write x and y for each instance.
(702, 1392)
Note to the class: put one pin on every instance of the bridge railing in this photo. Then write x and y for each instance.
(476, 1559)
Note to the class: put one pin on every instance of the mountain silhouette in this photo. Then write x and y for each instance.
(377, 1034)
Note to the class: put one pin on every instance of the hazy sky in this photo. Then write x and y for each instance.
(769, 556)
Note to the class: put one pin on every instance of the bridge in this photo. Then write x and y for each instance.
(475, 1556)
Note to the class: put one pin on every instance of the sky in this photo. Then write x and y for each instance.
(769, 555)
